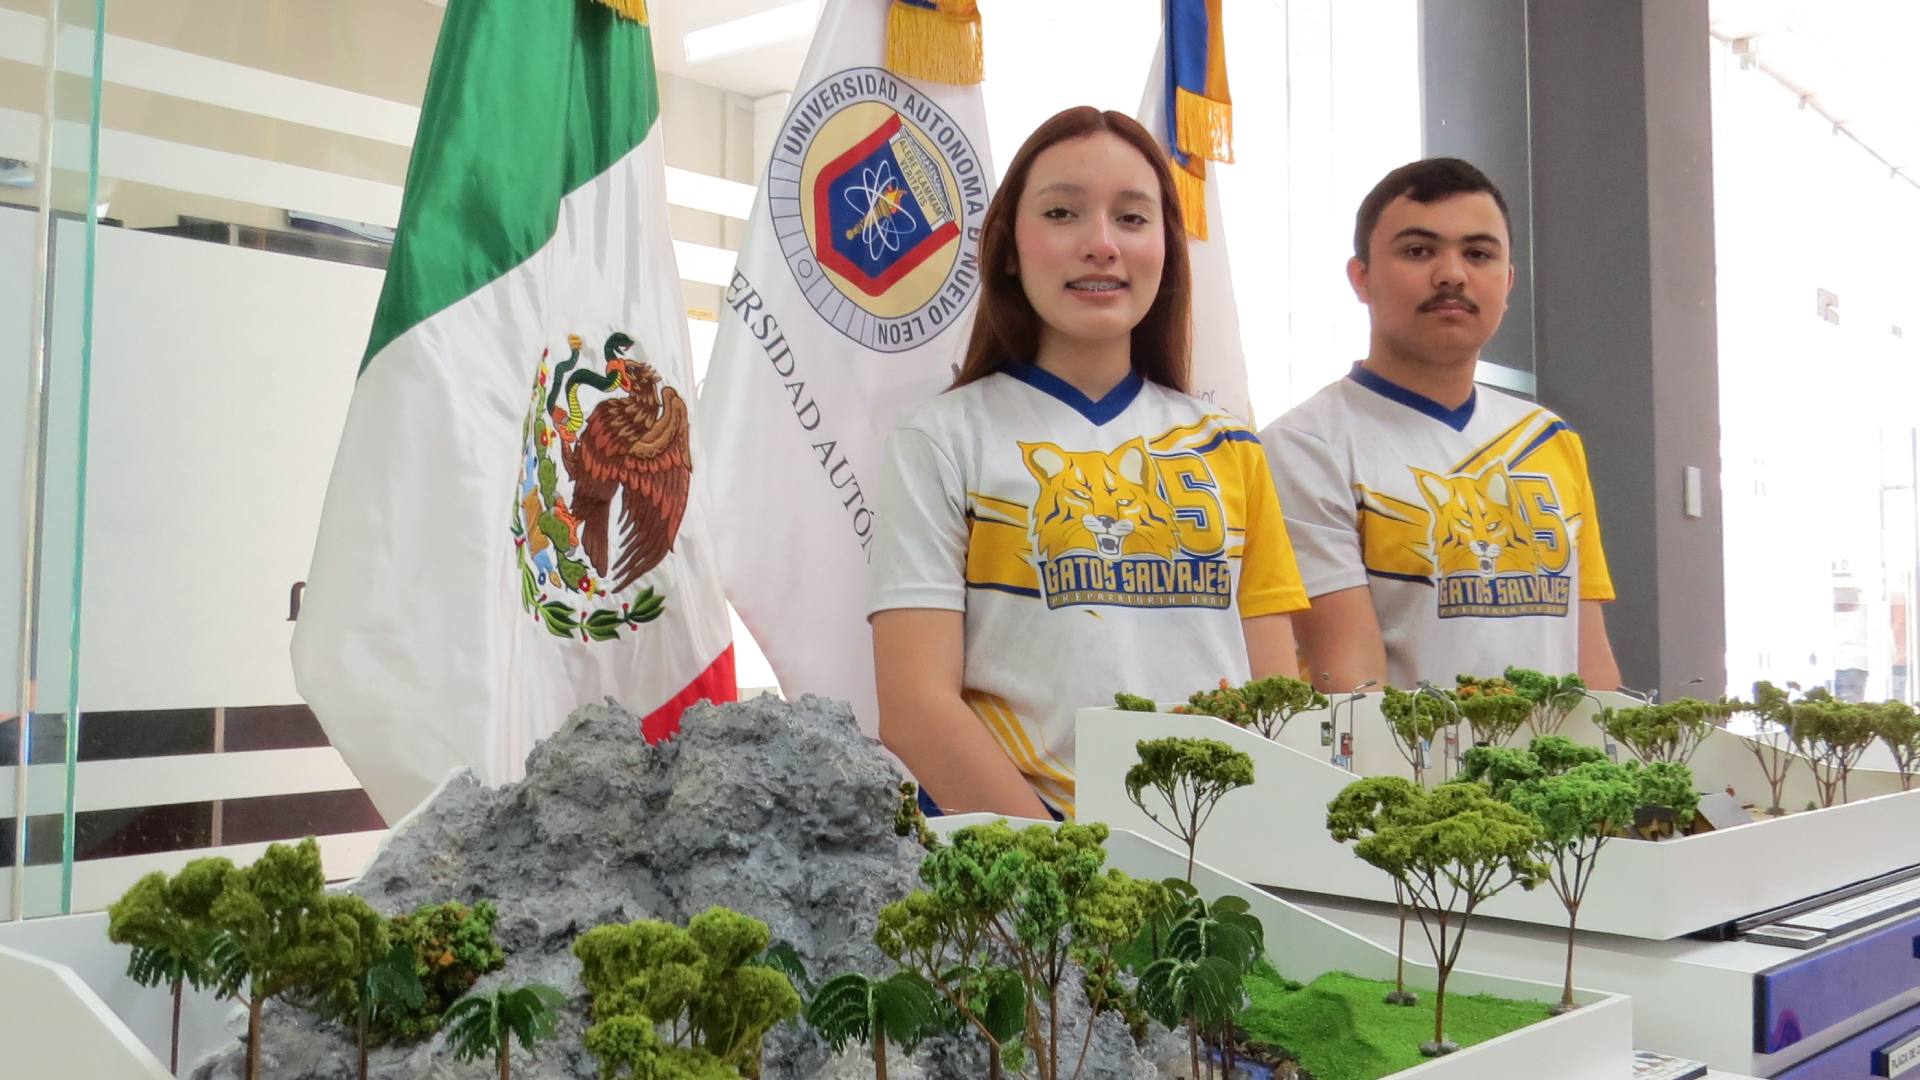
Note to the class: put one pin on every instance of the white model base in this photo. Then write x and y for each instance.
(1274, 833)
(1691, 999)
(1593, 1042)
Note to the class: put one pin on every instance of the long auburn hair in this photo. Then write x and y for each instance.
(1006, 329)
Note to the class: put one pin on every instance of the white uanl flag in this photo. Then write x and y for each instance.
(851, 303)
(517, 523)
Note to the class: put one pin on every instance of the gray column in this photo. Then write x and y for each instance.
(1593, 117)
(1623, 248)
(1473, 76)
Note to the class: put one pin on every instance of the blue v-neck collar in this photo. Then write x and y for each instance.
(1097, 412)
(1457, 419)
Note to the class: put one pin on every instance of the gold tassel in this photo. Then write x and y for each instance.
(1205, 125)
(628, 9)
(936, 45)
(1192, 189)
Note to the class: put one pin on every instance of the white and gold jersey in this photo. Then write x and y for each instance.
(1473, 529)
(1093, 546)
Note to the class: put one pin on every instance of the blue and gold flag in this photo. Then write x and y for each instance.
(1199, 114)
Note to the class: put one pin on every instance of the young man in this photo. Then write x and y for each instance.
(1441, 528)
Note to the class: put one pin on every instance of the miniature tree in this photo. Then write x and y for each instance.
(1502, 768)
(1897, 725)
(1191, 776)
(1494, 717)
(1360, 810)
(1454, 847)
(1667, 786)
(453, 945)
(166, 920)
(280, 933)
(854, 1008)
(484, 1025)
(1001, 915)
(1554, 697)
(1469, 686)
(1668, 732)
(1199, 982)
(1577, 811)
(387, 985)
(1276, 700)
(1126, 702)
(703, 982)
(1833, 735)
(1413, 719)
(1225, 702)
(1771, 742)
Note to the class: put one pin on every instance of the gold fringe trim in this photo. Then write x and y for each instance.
(628, 9)
(1205, 125)
(936, 46)
(1192, 189)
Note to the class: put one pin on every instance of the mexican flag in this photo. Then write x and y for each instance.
(850, 304)
(517, 523)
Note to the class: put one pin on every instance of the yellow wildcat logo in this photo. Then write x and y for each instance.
(1476, 528)
(1100, 502)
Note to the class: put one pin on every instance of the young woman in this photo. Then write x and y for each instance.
(1065, 521)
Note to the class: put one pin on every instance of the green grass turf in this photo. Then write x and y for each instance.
(1339, 1028)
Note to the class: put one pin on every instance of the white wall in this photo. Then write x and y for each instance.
(221, 377)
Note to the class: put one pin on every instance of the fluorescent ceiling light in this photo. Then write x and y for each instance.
(750, 31)
(704, 263)
(699, 191)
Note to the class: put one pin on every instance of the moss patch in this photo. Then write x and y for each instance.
(1338, 1027)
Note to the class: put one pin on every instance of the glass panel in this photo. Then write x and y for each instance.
(47, 115)
(1819, 368)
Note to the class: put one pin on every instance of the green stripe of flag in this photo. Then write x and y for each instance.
(527, 101)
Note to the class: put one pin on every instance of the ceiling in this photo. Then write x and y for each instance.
(769, 69)
(1853, 59)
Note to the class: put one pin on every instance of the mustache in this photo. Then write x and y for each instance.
(1449, 297)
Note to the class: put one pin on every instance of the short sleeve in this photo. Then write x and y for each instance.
(1596, 582)
(920, 541)
(1269, 577)
(1316, 497)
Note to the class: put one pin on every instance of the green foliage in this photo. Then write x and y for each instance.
(1667, 732)
(1495, 717)
(705, 983)
(999, 916)
(1771, 743)
(902, 1008)
(910, 821)
(1467, 687)
(1667, 784)
(1501, 768)
(484, 1025)
(1558, 754)
(1832, 735)
(1896, 724)
(1264, 705)
(1209, 951)
(1190, 776)
(1552, 696)
(453, 945)
(277, 932)
(1414, 718)
(167, 921)
(1134, 703)
(1449, 850)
